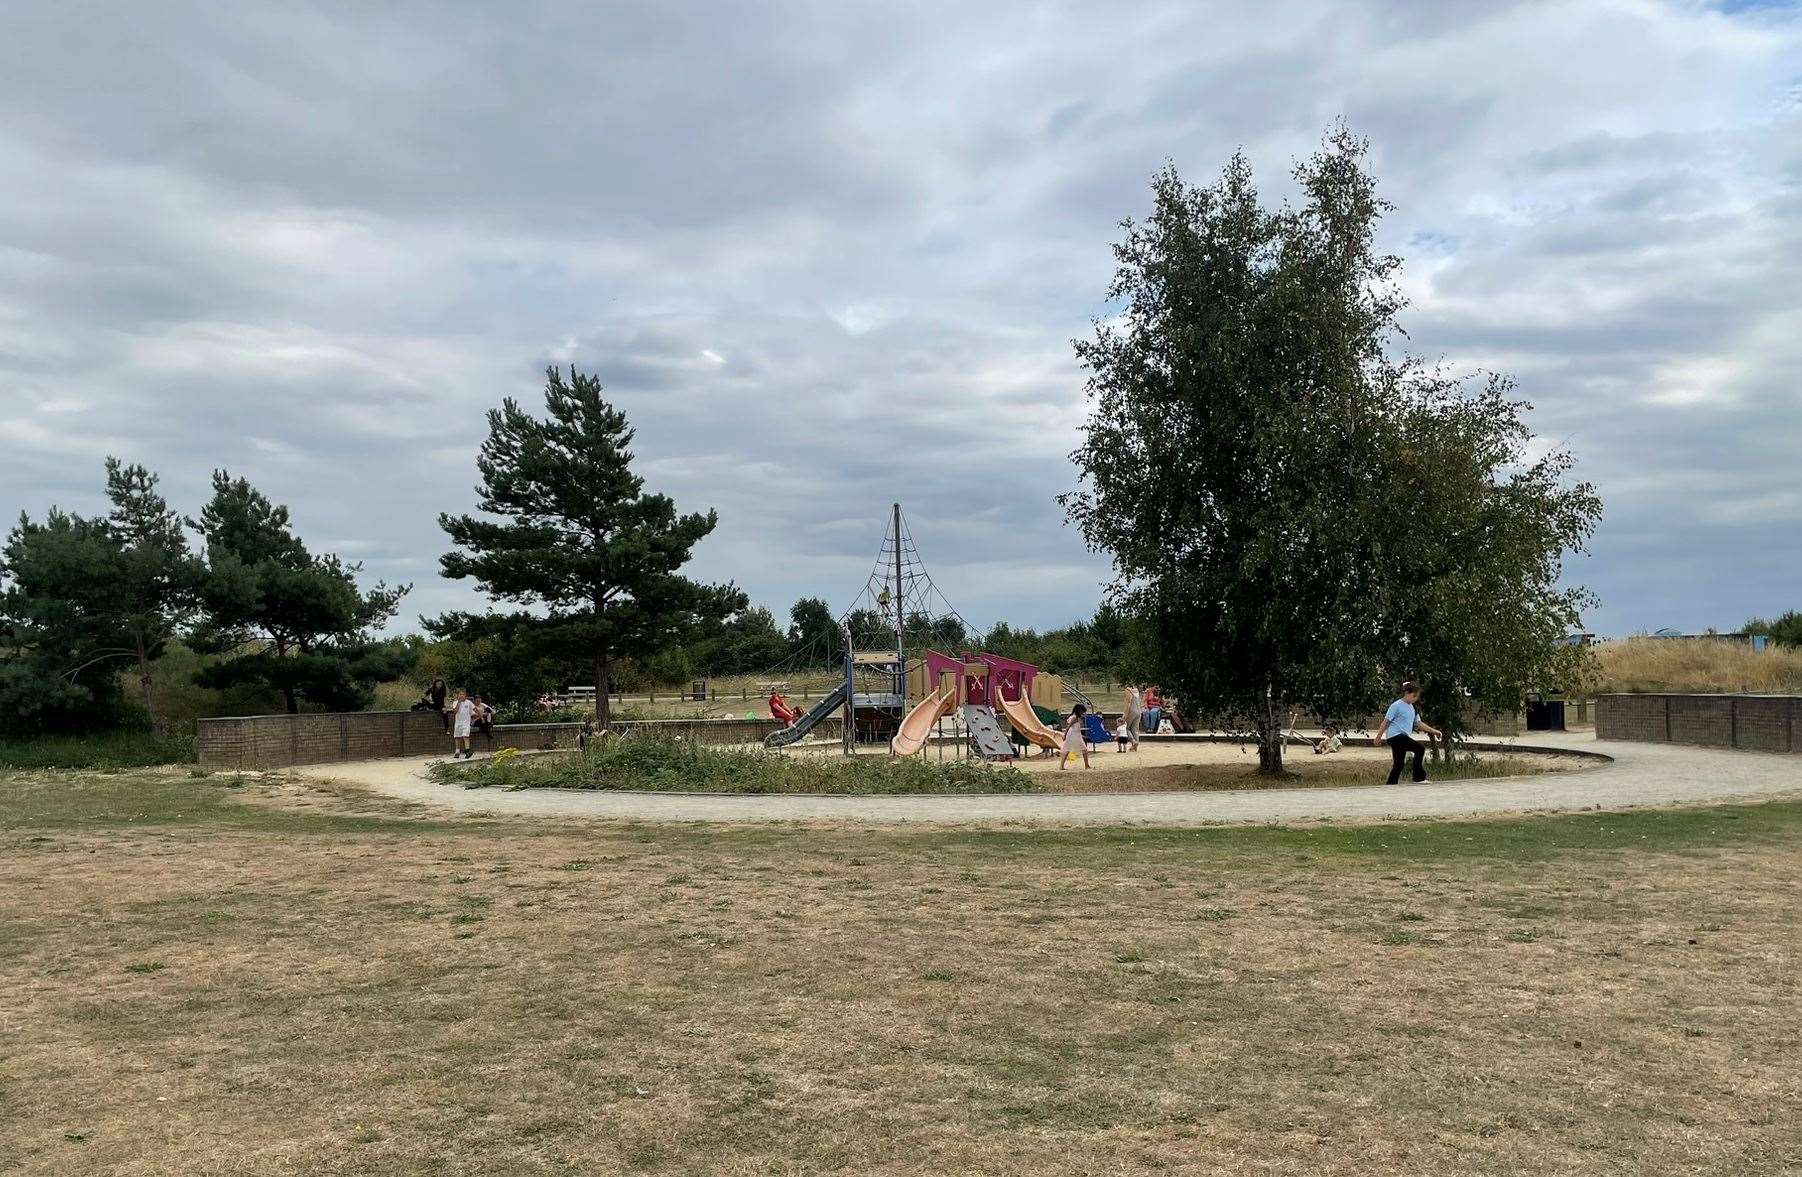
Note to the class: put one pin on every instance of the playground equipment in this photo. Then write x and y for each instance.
(916, 727)
(885, 697)
(1026, 721)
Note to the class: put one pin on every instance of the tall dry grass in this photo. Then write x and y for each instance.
(1697, 664)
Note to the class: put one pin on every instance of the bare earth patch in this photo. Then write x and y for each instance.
(346, 995)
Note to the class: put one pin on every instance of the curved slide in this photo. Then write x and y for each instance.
(916, 724)
(1026, 721)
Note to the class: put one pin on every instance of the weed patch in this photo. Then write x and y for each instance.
(661, 764)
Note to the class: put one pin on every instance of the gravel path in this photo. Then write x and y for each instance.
(1641, 774)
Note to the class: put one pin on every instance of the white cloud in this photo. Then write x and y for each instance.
(830, 256)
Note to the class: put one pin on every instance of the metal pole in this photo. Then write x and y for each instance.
(849, 735)
(900, 618)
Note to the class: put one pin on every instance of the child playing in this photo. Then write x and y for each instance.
(1329, 741)
(462, 713)
(1123, 737)
(1073, 741)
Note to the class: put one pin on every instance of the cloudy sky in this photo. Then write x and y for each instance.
(830, 255)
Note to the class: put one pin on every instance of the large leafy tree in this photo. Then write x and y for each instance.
(61, 642)
(1251, 460)
(748, 641)
(85, 594)
(281, 615)
(568, 531)
(1475, 605)
(813, 632)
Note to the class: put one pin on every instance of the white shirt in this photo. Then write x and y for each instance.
(465, 710)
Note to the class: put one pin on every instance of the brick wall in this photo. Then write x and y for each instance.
(277, 741)
(1760, 723)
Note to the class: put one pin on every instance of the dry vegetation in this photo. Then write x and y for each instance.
(193, 984)
(668, 765)
(1667, 664)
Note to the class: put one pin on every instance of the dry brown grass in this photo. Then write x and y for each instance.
(1672, 664)
(538, 998)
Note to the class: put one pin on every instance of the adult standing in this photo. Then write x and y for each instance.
(1400, 723)
(1135, 705)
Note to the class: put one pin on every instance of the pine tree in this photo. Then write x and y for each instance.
(85, 594)
(567, 528)
(288, 619)
(157, 576)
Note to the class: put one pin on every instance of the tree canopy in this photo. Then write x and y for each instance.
(84, 594)
(568, 531)
(1298, 519)
(1784, 629)
(283, 616)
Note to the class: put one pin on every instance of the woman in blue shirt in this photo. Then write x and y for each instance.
(1400, 723)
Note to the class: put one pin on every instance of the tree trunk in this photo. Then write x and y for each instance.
(603, 705)
(1270, 739)
(144, 684)
(281, 651)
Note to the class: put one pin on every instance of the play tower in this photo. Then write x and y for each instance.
(964, 702)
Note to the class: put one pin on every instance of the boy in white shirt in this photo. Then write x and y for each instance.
(462, 716)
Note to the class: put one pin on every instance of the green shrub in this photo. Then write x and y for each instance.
(114, 749)
(672, 765)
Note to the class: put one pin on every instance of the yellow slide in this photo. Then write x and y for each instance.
(917, 724)
(1026, 721)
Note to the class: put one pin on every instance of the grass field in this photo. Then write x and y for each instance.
(101, 750)
(1664, 664)
(215, 975)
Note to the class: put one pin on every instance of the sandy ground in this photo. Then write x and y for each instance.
(1638, 774)
(1374, 762)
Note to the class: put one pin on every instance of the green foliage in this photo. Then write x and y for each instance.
(101, 750)
(156, 576)
(1296, 519)
(669, 765)
(83, 595)
(284, 617)
(507, 661)
(1474, 608)
(568, 527)
(812, 632)
(747, 642)
(57, 673)
(1096, 646)
(1785, 629)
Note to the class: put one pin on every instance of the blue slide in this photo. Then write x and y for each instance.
(800, 727)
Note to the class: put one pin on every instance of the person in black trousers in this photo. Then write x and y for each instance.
(435, 693)
(1400, 723)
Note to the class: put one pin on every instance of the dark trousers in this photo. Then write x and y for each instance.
(1400, 748)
